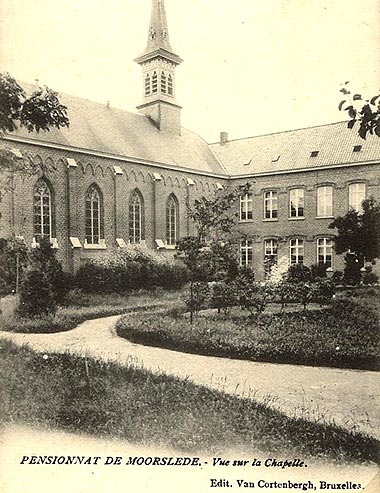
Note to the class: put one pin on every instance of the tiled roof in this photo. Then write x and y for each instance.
(292, 150)
(97, 127)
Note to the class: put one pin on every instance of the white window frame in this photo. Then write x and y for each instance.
(42, 192)
(325, 250)
(297, 250)
(171, 221)
(356, 195)
(271, 204)
(135, 218)
(246, 253)
(94, 222)
(297, 200)
(270, 253)
(246, 207)
(325, 201)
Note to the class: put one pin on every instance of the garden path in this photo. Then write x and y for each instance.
(349, 398)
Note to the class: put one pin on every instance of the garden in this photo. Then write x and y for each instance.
(200, 302)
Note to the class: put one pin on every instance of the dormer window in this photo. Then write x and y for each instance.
(357, 148)
(163, 82)
(170, 85)
(314, 153)
(147, 85)
(154, 83)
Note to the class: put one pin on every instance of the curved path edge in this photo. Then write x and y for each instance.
(347, 398)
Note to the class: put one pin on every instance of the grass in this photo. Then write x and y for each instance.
(151, 409)
(344, 335)
(81, 307)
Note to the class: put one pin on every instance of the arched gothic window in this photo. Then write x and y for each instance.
(154, 83)
(170, 85)
(147, 85)
(136, 218)
(163, 82)
(42, 210)
(93, 216)
(172, 220)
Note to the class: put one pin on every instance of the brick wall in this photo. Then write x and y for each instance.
(310, 228)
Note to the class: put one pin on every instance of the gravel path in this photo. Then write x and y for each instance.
(349, 398)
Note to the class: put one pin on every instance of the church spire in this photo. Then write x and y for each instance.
(158, 63)
(158, 35)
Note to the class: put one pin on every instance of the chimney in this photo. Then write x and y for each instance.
(223, 138)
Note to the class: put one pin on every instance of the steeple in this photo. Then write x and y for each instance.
(158, 35)
(158, 63)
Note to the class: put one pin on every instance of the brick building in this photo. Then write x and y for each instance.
(115, 177)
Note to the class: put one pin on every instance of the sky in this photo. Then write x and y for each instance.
(250, 67)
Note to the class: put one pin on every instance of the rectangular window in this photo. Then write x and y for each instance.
(270, 205)
(356, 195)
(325, 201)
(246, 207)
(246, 252)
(324, 251)
(270, 255)
(297, 202)
(296, 250)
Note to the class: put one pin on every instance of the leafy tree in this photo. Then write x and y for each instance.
(215, 257)
(366, 112)
(40, 110)
(359, 232)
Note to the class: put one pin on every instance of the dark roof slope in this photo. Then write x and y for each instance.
(292, 150)
(97, 127)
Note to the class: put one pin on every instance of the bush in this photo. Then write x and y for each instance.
(44, 284)
(224, 296)
(36, 295)
(338, 277)
(196, 298)
(298, 273)
(323, 291)
(9, 251)
(352, 273)
(130, 269)
(370, 277)
(318, 271)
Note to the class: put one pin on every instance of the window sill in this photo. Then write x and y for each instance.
(274, 220)
(324, 217)
(242, 221)
(95, 246)
(296, 218)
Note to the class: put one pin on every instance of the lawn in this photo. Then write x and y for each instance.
(141, 407)
(344, 335)
(82, 306)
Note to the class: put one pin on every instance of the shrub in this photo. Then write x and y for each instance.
(318, 271)
(36, 295)
(298, 273)
(285, 293)
(197, 299)
(338, 277)
(44, 284)
(370, 277)
(224, 296)
(9, 251)
(323, 291)
(352, 274)
(130, 269)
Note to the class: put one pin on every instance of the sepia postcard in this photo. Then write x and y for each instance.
(189, 246)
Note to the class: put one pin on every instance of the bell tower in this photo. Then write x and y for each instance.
(158, 63)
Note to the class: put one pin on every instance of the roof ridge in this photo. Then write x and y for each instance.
(281, 132)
